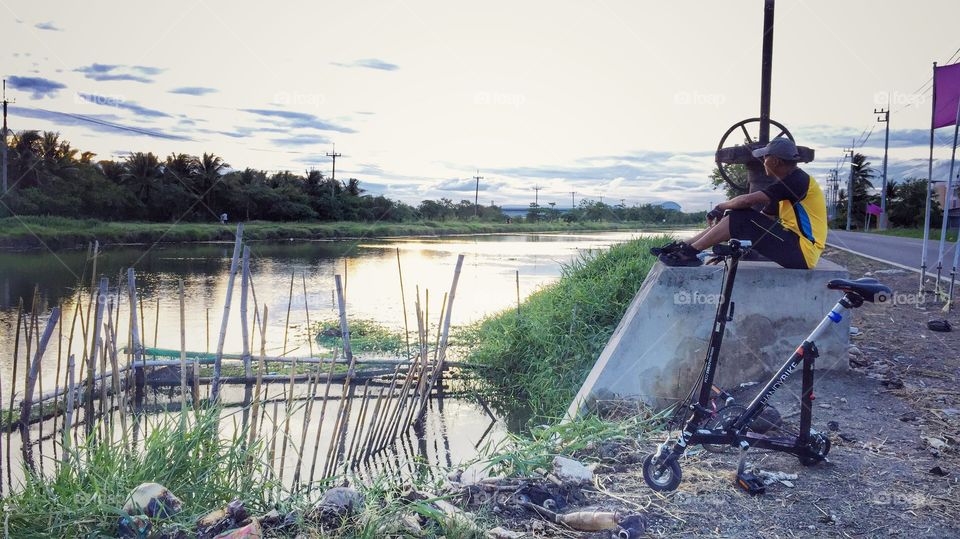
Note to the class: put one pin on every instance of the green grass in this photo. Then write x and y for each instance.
(365, 336)
(61, 232)
(915, 233)
(539, 358)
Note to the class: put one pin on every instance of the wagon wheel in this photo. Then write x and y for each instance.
(751, 137)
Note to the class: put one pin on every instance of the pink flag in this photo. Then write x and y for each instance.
(873, 209)
(946, 81)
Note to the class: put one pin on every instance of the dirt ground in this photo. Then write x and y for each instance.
(894, 423)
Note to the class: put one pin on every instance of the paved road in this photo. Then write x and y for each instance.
(903, 251)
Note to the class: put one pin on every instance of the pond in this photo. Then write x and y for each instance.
(295, 280)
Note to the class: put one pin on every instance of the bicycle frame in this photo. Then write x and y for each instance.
(736, 433)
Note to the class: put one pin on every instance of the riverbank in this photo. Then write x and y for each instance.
(18, 233)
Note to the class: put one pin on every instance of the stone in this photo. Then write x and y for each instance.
(656, 353)
(571, 471)
(341, 501)
(250, 531)
(503, 533)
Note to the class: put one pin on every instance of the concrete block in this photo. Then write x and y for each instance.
(657, 351)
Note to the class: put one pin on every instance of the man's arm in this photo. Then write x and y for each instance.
(745, 201)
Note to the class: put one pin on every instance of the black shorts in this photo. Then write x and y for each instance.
(768, 236)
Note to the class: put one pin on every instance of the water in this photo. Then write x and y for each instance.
(488, 284)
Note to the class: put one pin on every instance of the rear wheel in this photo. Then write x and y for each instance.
(666, 479)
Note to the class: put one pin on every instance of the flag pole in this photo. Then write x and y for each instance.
(947, 197)
(926, 217)
(953, 271)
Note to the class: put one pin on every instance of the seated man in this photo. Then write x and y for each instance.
(794, 240)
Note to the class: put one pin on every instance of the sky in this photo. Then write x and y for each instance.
(611, 100)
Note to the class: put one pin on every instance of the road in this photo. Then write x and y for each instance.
(901, 251)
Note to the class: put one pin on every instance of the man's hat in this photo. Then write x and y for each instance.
(783, 148)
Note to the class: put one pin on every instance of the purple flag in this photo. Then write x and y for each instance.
(873, 209)
(946, 81)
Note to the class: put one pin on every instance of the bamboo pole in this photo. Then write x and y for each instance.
(286, 324)
(361, 421)
(56, 387)
(403, 304)
(273, 441)
(419, 394)
(156, 322)
(215, 387)
(104, 418)
(323, 412)
(183, 347)
(26, 446)
(92, 361)
(13, 389)
(311, 395)
(244, 327)
(71, 389)
(376, 419)
(77, 312)
(114, 364)
(438, 368)
(293, 371)
(260, 364)
(345, 336)
(135, 343)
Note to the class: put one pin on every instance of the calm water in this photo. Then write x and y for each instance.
(488, 284)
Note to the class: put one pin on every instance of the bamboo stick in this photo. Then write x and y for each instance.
(71, 386)
(345, 336)
(438, 368)
(104, 419)
(40, 389)
(323, 412)
(286, 324)
(260, 364)
(92, 361)
(26, 446)
(273, 441)
(56, 387)
(114, 364)
(156, 322)
(13, 389)
(311, 395)
(403, 304)
(418, 395)
(244, 327)
(183, 347)
(361, 421)
(215, 387)
(135, 344)
(376, 419)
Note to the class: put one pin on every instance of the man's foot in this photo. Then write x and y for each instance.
(685, 256)
(668, 248)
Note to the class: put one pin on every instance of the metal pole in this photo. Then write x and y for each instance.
(850, 192)
(886, 147)
(476, 195)
(947, 196)
(926, 218)
(3, 147)
(766, 70)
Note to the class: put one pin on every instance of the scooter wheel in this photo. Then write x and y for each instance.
(668, 478)
(819, 449)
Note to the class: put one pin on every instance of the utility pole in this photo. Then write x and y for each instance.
(849, 188)
(3, 147)
(885, 119)
(476, 195)
(334, 155)
(536, 196)
(573, 200)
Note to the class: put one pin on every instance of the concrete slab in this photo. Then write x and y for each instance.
(657, 351)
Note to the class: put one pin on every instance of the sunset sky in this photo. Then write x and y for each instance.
(619, 99)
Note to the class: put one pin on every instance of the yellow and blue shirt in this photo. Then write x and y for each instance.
(801, 208)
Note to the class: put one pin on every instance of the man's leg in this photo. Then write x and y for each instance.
(711, 236)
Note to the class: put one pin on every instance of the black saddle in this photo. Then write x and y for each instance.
(868, 289)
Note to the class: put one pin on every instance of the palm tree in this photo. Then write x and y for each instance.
(141, 172)
(210, 169)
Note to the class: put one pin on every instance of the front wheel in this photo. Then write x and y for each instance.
(667, 479)
(818, 449)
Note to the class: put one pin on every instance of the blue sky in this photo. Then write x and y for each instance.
(621, 100)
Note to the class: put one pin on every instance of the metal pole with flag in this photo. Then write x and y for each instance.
(948, 197)
(953, 271)
(926, 212)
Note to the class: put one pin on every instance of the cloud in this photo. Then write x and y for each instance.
(299, 120)
(193, 90)
(47, 26)
(843, 137)
(114, 72)
(100, 123)
(369, 63)
(121, 104)
(301, 140)
(38, 87)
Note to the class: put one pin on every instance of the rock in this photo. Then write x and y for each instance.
(892, 383)
(272, 518)
(854, 351)
(854, 330)
(503, 533)
(843, 400)
(134, 527)
(833, 426)
(341, 501)
(825, 406)
(951, 412)
(909, 416)
(935, 443)
(569, 470)
(632, 527)
(770, 478)
(250, 531)
(939, 472)
(236, 511)
(152, 499)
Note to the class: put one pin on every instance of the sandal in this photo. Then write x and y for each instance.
(671, 247)
(684, 257)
